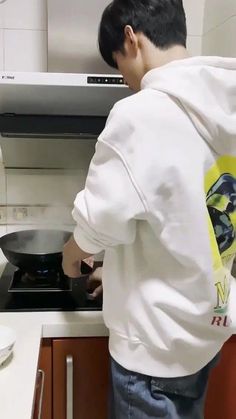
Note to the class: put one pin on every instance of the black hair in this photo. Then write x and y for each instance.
(163, 22)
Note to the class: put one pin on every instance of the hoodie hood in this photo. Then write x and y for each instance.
(205, 87)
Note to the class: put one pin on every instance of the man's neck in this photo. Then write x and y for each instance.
(156, 57)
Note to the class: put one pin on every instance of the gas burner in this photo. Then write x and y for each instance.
(41, 276)
(43, 272)
(40, 281)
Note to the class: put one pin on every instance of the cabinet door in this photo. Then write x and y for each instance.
(44, 382)
(221, 395)
(90, 377)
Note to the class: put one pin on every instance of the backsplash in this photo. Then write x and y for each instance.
(2, 181)
(43, 187)
(40, 181)
(36, 215)
(40, 197)
(51, 154)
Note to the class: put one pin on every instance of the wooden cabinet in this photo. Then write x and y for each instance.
(82, 363)
(221, 395)
(43, 397)
(90, 377)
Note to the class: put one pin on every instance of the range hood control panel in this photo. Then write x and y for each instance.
(105, 80)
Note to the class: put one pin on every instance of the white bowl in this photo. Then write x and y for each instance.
(7, 340)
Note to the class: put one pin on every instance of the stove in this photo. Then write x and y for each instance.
(44, 291)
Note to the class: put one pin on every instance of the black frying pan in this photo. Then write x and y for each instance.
(36, 250)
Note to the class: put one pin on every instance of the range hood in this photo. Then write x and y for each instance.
(75, 96)
(57, 104)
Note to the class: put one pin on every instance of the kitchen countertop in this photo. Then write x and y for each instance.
(18, 374)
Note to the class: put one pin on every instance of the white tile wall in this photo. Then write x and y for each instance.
(3, 231)
(25, 50)
(217, 12)
(24, 24)
(194, 45)
(1, 15)
(1, 50)
(25, 14)
(2, 186)
(30, 215)
(221, 41)
(47, 153)
(43, 187)
(195, 16)
(2, 183)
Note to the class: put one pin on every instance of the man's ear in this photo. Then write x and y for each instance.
(131, 40)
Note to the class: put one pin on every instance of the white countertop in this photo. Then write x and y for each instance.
(18, 375)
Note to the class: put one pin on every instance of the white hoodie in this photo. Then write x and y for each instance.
(160, 198)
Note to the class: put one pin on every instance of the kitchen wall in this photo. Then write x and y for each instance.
(219, 28)
(23, 33)
(2, 195)
(195, 17)
(46, 194)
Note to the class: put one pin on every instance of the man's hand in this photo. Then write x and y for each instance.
(72, 256)
(95, 283)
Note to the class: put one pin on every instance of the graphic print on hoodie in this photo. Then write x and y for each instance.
(220, 187)
(221, 204)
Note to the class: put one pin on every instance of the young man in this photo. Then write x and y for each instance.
(160, 199)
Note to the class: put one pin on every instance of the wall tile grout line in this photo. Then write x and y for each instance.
(25, 29)
(220, 24)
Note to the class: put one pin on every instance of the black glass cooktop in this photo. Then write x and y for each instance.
(49, 292)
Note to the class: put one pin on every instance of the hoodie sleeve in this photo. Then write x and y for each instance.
(107, 209)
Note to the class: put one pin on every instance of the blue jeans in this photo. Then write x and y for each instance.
(138, 396)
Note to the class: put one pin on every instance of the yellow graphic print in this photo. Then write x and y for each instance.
(220, 189)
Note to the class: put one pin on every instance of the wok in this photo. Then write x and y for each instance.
(35, 250)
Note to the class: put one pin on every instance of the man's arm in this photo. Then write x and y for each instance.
(72, 256)
(106, 210)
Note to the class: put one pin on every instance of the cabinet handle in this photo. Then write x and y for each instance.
(42, 373)
(69, 387)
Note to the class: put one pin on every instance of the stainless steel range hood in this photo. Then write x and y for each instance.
(74, 98)
(51, 104)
